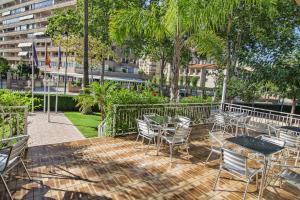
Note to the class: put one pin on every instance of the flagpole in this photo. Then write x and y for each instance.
(32, 79)
(56, 98)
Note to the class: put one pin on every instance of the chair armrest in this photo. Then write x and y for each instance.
(13, 138)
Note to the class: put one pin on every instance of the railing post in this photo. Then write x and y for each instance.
(25, 121)
(114, 120)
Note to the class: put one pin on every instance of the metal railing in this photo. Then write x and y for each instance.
(264, 115)
(13, 122)
(123, 119)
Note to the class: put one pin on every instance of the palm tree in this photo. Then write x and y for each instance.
(86, 46)
(185, 23)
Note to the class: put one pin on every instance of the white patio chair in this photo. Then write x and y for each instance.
(288, 174)
(179, 138)
(221, 123)
(216, 140)
(146, 131)
(292, 142)
(236, 165)
(11, 157)
(240, 124)
(184, 122)
(146, 116)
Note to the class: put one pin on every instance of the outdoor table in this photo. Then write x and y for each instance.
(162, 122)
(291, 128)
(261, 147)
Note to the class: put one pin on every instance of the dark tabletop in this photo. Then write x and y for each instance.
(255, 144)
(291, 128)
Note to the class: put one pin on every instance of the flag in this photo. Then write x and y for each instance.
(34, 56)
(59, 57)
(47, 57)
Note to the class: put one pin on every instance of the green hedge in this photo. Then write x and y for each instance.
(65, 102)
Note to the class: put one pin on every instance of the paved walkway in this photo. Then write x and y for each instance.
(59, 130)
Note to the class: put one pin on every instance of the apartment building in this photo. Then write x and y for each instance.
(23, 22)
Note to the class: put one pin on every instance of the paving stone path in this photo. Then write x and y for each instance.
(59, 130)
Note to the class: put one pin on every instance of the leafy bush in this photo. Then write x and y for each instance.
(196, 99)
(11, 98)
(85, 102)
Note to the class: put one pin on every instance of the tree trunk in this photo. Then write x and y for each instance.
(294, 103)
(282, 102)
(228, 62)
(187, 80)
(102, 72)
(174, 96)
(162, 68)
(86, 46)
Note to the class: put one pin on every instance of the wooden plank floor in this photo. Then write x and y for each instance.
(111, 168)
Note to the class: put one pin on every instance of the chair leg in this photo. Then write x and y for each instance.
(171, 152)
(215, 185)
(6, 187)
(297, 157)
(245, 193)
(137, 138)
(148, 146)
(208, 157)
(24, 166)
(256, 179)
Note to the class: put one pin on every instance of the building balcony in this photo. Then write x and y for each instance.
(38, 49)
(25, 40)
(32, 21)
(14, 33)
(55, 6)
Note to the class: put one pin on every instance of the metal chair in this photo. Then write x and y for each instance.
(236, 165)
(240, 123)
(292, 142)
(287, 173)
(216, 143)
(184, 122)
(146, 132)
(221, 122)
(179, 138)
(11, 157)
(146, 116)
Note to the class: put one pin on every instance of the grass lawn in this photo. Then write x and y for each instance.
(86, 124)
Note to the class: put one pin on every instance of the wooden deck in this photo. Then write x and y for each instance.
(111, 168)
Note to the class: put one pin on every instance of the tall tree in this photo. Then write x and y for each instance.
(86, 45)
(4, 67)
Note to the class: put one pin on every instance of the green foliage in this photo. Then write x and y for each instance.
(10, 98)
(85, 102)
(4, 66)
(196, 99)
(194, 80)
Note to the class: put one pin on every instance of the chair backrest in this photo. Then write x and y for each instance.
(273, 140)
(291, 139)
(19, 147)
(143, 127)
(234, 162)
(184, 122)
(4, 158)
(219, 118)
(145, 116)
(182, 134)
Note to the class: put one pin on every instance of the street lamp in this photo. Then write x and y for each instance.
(66, 34)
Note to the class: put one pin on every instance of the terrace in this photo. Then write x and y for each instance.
(112, 168)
